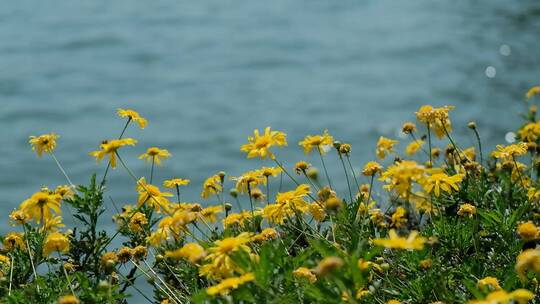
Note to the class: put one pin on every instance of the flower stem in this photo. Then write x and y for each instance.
(346, 176)
(30, 256)
(109, 162)
(152, 169)
(324, 167)
(352, 172)
(62, 169)
(479, 145)
(250, 199)
(11, 265)
(429, 144)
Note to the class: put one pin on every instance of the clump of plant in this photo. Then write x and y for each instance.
(438, 223)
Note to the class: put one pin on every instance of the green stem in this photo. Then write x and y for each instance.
(267, 191)
(30, 256)
(479, 146)
(352, 172)
(324, 167)
(429, 144)
(250, 199)
(135, 287)
(152, 169)
(346, 176)
(11, 265)
(109, 163)
(62, 169)
(178, 193)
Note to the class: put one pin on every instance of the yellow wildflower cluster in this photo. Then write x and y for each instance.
(443, 212)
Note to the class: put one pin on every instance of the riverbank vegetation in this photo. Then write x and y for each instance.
(429, 220)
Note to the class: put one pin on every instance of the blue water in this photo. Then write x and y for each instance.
(206, 73)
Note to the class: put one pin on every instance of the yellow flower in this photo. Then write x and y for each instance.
(139, 252)
(301, 167)
(65, 191)
(426, 264)
(154, 154)
(362, 293)
(317, 211)
(399, 177)
(210, 213)
(385, 146)
(317, 141)
(212, 185)
(18, 217)
(377, 217)
(257, 194)
(287, 204)
(265, 235)
(132, 115)
(175, 182)
(52, 224)
(414, 147)
(166, 229)
(367, 265)
(438, 180)
(413, 241)
(224, 287)
(528, 231)
(436, 119)
(520, 296)
(328, 265)
(345, 149)
(4, 260)
(137, 221)
(408, 128)
(43, 143)
(220, 263)
(489, 283)
(333, 203)
(249, 180)
(55, 242)
(364, 207)
(528, 260)
(110, 148)
(510, 151)
(467, 210)
(40, 205)
(533, 193)
(393, 302)
(259, 145)
(109, 259)
(124, 254)
(422, 203)
(399, 218)
(530, 132)
(69, 299)
(151, 195)
(182, 218)
(532, 92)
(237, 218)
(14, 240)
(372, 168)
(190, 251)
(270, 171)
(304, 273)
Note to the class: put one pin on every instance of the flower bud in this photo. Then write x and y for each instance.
(103, 285)
(312, 173)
